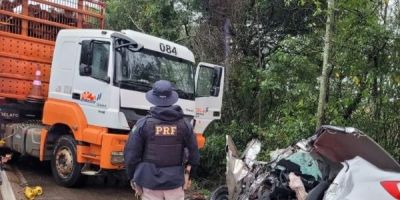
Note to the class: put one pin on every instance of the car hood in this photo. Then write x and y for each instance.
(340, 144)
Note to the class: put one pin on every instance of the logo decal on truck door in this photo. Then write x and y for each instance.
(201, 111)
(90, 97)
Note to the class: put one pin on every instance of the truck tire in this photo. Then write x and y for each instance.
(64, 166)
(221, 193)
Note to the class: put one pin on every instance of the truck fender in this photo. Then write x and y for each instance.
(43, 137)
(64, 112)
(49, 135)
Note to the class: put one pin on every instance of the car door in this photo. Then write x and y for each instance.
(209, 81)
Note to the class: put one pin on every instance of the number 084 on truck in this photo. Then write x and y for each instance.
(70, 91)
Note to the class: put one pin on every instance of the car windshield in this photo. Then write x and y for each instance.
(138, 70)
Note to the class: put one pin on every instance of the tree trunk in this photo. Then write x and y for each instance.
(227, 40)
(325, 65)
(377, 60)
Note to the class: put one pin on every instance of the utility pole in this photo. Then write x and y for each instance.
(325, 65)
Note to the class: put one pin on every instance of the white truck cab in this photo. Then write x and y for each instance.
(116, 69)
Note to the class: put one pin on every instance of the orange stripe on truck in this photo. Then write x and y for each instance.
(201, 140)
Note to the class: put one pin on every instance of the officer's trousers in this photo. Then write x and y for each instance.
(174, 194)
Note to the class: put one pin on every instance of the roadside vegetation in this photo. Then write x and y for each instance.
(273, 54)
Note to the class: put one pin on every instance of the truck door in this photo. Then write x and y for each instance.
(209, 80)
(91, 89)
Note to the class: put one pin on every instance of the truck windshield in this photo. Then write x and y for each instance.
(138, 70)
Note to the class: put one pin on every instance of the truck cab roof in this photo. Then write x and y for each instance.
(148, 41)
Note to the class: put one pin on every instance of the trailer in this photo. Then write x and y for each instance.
(70, 91)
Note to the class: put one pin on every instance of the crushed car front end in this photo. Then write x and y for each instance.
(335, 163)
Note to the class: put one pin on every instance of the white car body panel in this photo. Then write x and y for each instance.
(359, 179)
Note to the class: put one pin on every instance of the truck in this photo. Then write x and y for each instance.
(70, 90)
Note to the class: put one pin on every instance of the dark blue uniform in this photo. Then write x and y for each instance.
(155, 149)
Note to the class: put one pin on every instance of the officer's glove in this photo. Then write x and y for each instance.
(137, 188)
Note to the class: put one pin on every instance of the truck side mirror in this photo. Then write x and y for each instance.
(85, 67)
(216, 83)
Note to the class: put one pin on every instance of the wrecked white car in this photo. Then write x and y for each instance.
(334, 164)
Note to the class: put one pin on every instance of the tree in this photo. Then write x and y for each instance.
(325, 66)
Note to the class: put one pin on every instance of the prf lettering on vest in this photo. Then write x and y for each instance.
(165, 130)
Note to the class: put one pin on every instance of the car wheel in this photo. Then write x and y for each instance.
(221, 193)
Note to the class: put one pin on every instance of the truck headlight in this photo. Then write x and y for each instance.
(117, 157)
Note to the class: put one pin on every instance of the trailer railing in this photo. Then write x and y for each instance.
(43, 19)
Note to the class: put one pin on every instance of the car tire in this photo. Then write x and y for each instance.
(221, 193)
(64, 166)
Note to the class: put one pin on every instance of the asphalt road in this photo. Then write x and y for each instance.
(39, 174)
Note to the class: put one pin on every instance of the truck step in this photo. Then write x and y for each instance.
(90, 173)
(86, 170)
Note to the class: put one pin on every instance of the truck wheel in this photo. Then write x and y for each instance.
(221, 193)
(66, 170)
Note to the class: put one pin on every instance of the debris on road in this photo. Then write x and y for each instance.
(32, 192)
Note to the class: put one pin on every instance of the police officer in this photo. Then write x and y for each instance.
(154, 153)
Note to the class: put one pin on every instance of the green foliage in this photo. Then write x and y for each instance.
(164, 18)
(280, 98)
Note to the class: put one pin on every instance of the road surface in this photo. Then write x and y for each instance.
(39, 174)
